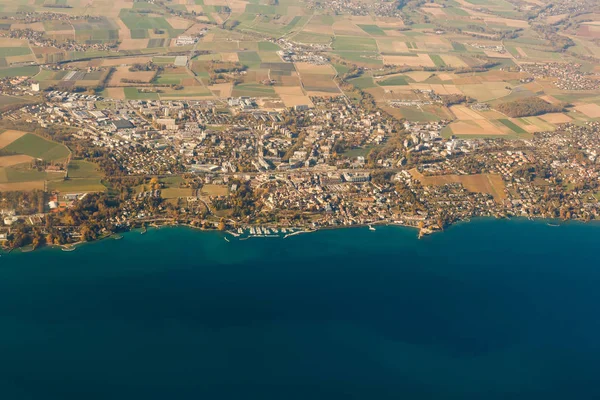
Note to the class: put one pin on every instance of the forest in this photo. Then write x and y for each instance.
(529, 107)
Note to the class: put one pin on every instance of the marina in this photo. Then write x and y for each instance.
(247, 232)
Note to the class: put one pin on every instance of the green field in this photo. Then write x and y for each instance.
(361, 57)
(310, 37)
(394, 81)
(354, 43)
(171, 79)
(138, 23)
(77, 185)
(437, 60)
(38, 147)
(20, 174)
(163, 60)
(512, 126)
(372, 30)
(268, 46)
(175, 193)
(132, 93)
(14, 51)
(84, 169)
(19, 71)
(10, 100)
(253, 90)
(341, 69)
(250, 59)
(414, 114)
(456, 11)
(364, 82)
(263, 9)
(459, 47)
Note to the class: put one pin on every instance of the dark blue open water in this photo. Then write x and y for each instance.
(486, 310)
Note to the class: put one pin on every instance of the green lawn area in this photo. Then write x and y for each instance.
(174, 193)
(171, 79)
(354, 43)
(132, 93)
(512, 126)
(360, 151)
(414, 114)
(38, 147)
(77, 185)
(84, 169)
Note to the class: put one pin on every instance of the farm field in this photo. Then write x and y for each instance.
(37, 147)
(18, 152)
(214, 190)
(81, 185)
(480, 183)
(284, 52)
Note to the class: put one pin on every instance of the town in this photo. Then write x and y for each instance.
(335, 164)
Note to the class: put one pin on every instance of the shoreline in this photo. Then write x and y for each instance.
(551, 223)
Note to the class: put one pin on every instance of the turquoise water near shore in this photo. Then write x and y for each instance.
(488, 309)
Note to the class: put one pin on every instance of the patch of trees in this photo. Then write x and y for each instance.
(393, 146)
(550, 33)
(24, 203)
(480, 68)
(23, 235)
(197, 53)
(529, 107)
(381, 177)
(220, 67)
(149, 66)
(105, 80)
(243, 200)
(452, 99)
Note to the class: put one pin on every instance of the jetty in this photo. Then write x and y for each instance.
(298, 232)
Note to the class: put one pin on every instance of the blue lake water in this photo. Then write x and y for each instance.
(486, 310)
